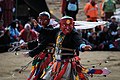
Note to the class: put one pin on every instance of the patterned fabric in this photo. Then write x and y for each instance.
(64, 69)
(39, 64)
(67, 69)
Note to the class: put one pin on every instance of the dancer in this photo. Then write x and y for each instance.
(66, 65)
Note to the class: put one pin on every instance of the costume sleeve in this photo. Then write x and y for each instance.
(37, 50)
(79, 43)
(32, 44)
(80, 47)
(41, 46)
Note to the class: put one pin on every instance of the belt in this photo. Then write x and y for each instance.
(74, 59)
(62, 48)
(65, 54)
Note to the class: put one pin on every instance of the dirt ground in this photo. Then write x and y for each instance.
(10, 64)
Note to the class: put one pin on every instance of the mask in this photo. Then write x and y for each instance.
(44, 20)
(66, 25)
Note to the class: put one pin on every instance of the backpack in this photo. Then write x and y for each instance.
(109, 6)
(72, 6)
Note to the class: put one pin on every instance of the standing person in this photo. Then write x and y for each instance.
(91, 11)
(109, 7)
(43, 52)
(102, 15)
(7, 7)
(70, 8)
(68, 44)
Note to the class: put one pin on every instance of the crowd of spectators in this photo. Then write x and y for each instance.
(103, 37)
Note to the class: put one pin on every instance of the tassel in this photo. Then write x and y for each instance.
(76, 77)
(81, 75)
(61, 73)
(54, 68)
(32, 72)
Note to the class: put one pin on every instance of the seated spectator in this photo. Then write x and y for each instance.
(117, 40)
(84, 34)
(113, 27)
(36, 26)
(14, 33)
(2, 29)
(19, 25)
(27, 34)
(5, 41)
(94, 40)
(105, 38)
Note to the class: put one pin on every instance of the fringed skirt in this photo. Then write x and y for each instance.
(67, 69)
(40, 63)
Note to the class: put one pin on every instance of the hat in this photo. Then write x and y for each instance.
(118, 28)
(113, 17)
(44, 13)
(27, 25)
(66, 17)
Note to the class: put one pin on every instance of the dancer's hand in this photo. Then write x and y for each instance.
(86, 47)
(26, 54)
(24, 45)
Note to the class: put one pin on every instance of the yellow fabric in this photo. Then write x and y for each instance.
(42, 75)
(77, 77)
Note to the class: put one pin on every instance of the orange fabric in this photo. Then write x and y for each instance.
(91, 11)
(81, 75)
(45, 63)
(58, 66)
(54, 67)
(32, 72)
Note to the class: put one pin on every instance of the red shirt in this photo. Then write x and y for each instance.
(28, 36)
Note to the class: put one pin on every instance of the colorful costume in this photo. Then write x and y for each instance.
(43, 52)
(67, 65)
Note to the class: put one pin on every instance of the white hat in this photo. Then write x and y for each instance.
(44, 13)
(118, 28)
(66, 17)
(27, 25)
